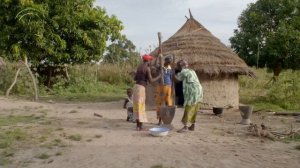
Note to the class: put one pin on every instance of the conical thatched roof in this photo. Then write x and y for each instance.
(204, 52)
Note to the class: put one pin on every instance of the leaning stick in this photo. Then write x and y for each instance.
(33, 80)
(14, 82)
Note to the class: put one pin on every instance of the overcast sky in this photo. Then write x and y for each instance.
(142, 19)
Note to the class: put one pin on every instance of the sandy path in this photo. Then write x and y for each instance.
(217, 142)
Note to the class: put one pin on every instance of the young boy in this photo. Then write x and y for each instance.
(129, 105)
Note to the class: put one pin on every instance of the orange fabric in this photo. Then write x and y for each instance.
(163, 94)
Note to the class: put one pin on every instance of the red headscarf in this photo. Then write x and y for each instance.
(147, 57)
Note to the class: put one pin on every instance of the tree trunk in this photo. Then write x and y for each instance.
(14, 82)
(33, 80)
(277, 68)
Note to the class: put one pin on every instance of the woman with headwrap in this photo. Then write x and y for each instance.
(192, 93)
(142, 77)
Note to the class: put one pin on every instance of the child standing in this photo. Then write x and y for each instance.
(164, 90)
(129, 106)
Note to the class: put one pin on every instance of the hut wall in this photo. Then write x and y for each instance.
(220, 91)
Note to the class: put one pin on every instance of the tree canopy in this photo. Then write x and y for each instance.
(55, 32)
(120, 51)
(268, 34)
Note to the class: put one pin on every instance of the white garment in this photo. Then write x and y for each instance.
(130, 103)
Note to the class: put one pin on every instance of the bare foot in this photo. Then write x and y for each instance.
(183, 130)
(192, 127)
(141, 129)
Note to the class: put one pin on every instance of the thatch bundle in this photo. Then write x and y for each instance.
(204, 52)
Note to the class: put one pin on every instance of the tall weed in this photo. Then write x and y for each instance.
(263, 93)
(87, 82)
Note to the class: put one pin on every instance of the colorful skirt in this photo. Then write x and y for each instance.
(139, 99)
(190, 113)
(163, 94)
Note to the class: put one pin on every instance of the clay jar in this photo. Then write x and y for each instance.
(246, 112)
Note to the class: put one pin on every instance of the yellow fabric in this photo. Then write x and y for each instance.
(190, 113)
(138, 98)
(163, 94)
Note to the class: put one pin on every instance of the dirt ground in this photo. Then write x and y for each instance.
(111, 142)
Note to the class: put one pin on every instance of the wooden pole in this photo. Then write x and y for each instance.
(161, 58)
(173, 81)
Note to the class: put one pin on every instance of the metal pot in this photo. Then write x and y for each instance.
(218, 110)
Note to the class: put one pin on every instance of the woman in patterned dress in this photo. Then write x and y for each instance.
(192, 93)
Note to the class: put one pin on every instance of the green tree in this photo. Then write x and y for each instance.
(268, 34)
(120, 51)
(55, 32)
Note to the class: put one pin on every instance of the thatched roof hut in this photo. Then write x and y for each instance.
(217, 66)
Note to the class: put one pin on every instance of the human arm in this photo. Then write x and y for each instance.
(125, 103)
(179, 76)
(151, 79)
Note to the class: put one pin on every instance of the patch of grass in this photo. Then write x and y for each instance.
(157, 166)
(60, 129)
(98, 136)
(265, 95)
(57, 142)
(295, 137)
(13, 120)
(43, 156)
(58, 153)
(88, 82)
(8, 138)
(75, 137)
(4, 161)
(292, 138)
(82, 122)
(73, 111)
(43, 138)
(46, 122)
(44, 111)
(8, 153)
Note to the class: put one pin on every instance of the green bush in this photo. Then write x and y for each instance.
(285, 91)
(266, 94)
(87, 82)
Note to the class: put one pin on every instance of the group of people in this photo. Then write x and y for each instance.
(192, 92)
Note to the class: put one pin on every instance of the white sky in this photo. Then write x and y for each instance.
(142, 19)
